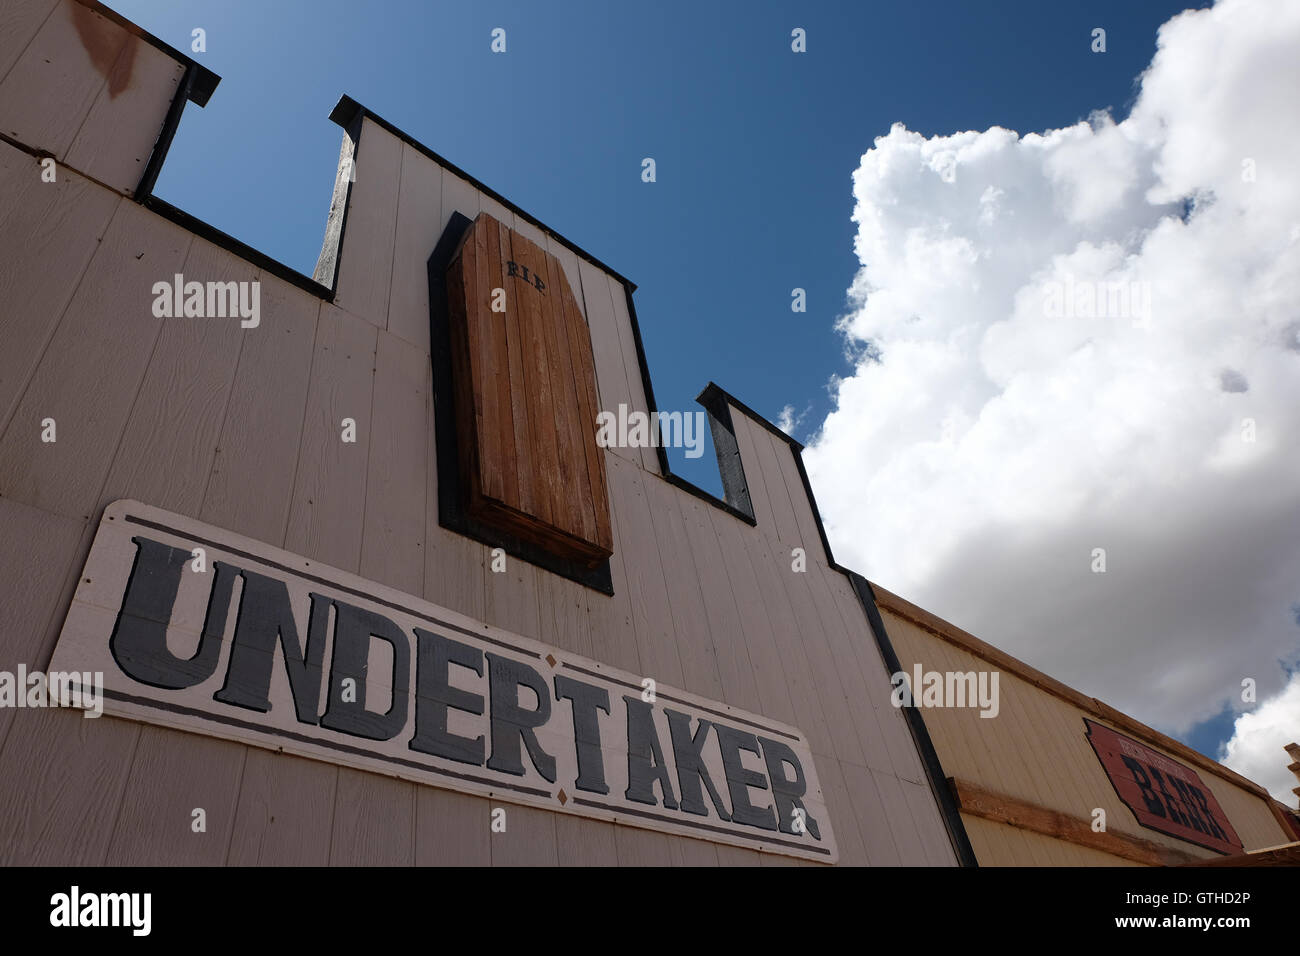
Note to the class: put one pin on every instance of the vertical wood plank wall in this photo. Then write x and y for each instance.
(241, 428)
(1036, 750)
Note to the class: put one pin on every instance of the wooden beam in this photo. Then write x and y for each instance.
(998, 807)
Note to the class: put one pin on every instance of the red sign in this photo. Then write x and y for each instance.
(1162, 794)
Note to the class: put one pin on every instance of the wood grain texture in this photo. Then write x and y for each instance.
(875, 824)
(999, 808)
(155, 823)
(638, 847)
(365, 267)
(392, 547)
(612, 385)
(690, 623)
(582, 842)
(285, 813)
(374, 821)
(734, 667)
(420, 221)
(114, 143)
(31, 603)
(189, 379)
(19, 22)
(528, 459)
(89, 374)
(646, 589)
(648, 456)
(47, 94)
(805, 695)
(59, 222)
(529, 838)
(451, 829)
(327, 514)
(755, 627)
(252, 477)
(62, 778)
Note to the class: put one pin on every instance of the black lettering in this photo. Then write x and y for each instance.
(1171, 802)
(511, 267)
(434, 695)
(1149, 796)
(688, 753)
(353, 628)
(586, 700)
(265, 616)
(139, 639)
(1189, 805)
(645, 758)
(785, 790)
(739, 779)
(1210, 818)
(511, 724)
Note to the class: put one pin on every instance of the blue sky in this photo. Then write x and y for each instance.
(754, 144)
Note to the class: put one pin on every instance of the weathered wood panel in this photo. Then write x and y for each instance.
(523, 378)
(47, 94)
(611, 375)
(59, 222)
(109, 324)
(392, 548)
(114, 143)
(365, 267)
(156, 824)
(420, 221)
(252, 478)
(452, 829)
(285, 814)
(1035, 730)
(19, 22)
(62, 778)
(374, 821)
(327, 517)
(189, 379)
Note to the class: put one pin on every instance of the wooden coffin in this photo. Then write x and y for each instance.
(526, 400)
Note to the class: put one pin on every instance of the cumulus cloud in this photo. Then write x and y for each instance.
(1089, 338)
(1255, 749)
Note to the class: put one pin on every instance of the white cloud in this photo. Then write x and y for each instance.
(788, 420)
(1077, 332)
(1255, 750)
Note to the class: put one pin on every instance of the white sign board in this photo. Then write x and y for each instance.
(196, 628)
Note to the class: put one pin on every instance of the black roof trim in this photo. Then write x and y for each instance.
(347, 111)
(205, 81)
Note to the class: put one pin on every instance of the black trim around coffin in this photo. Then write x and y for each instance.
(451, 501)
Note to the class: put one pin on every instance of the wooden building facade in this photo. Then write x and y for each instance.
(239, 428)
(225, 433)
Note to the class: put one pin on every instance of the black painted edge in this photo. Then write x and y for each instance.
(451, 509)
(348, 111)
(731, 466)
(205, 81)
(164, 142)
(736, 491)
(196, 86)
(232, 245)
(934, 771)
